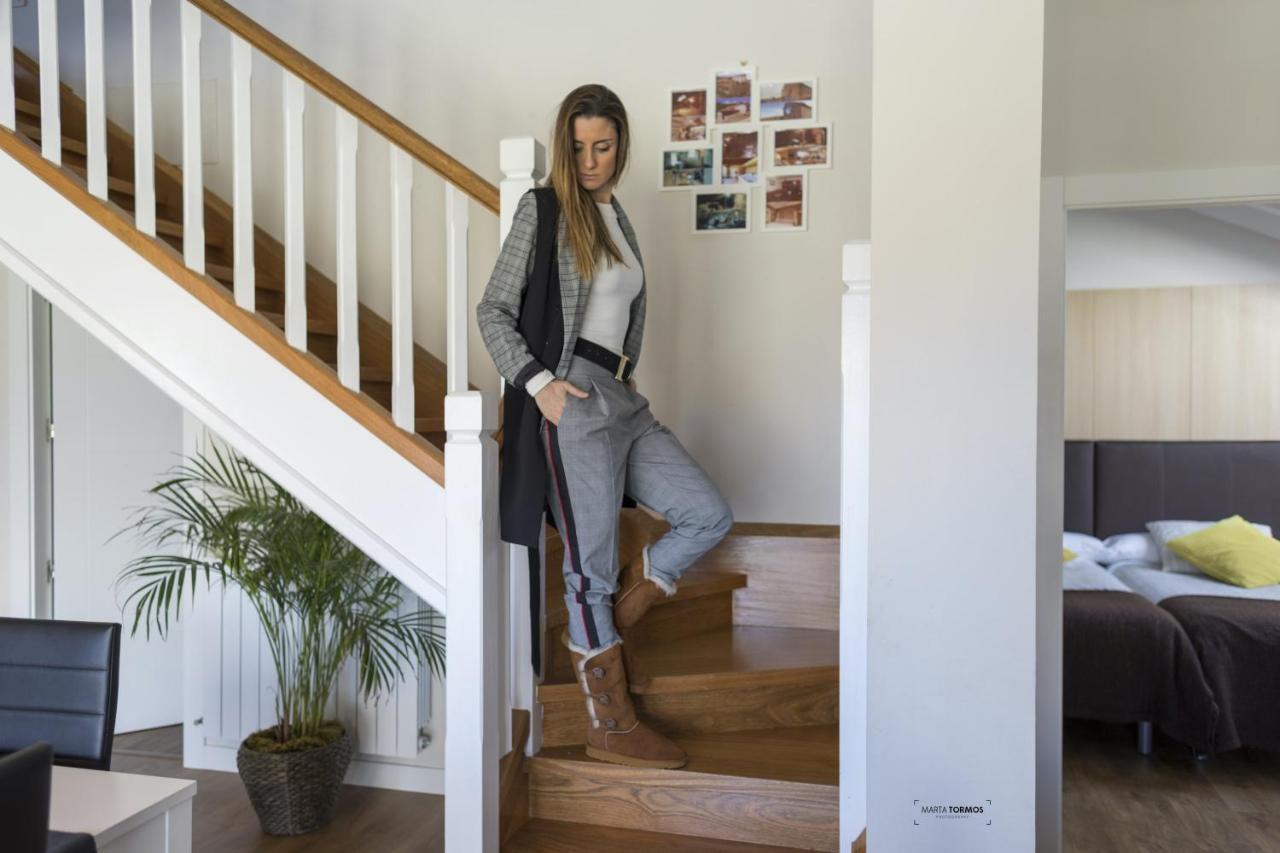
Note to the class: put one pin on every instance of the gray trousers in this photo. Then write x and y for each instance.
(606, 444)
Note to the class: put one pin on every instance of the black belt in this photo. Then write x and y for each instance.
(619, 365)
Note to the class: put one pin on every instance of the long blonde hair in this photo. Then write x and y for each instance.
(588, 234)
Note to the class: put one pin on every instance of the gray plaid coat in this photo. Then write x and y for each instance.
(498, 312)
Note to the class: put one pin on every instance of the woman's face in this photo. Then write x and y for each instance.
(595, 147)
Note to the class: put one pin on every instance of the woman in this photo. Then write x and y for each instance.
(597, 438)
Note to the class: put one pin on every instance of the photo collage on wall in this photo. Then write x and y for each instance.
(737, 134)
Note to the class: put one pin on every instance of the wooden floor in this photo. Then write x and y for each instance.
(1113, 800)
(1116, 800)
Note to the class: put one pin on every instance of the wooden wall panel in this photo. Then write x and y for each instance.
(1142, 364)
(1235, 365)
(1079, 381)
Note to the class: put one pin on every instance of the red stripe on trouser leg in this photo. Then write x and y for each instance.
(555, 463)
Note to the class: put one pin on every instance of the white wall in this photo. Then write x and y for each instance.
(742, 335)
(956, 393)
(1115, 249)
(1149, 85)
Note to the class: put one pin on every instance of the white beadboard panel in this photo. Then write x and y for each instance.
(239, 698)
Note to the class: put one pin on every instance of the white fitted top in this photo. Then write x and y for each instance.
(609, 298)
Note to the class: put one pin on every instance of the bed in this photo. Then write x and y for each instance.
(1116, 487)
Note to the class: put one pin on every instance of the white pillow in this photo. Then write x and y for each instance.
(1085, 545)
(1134, 546)
(1164, 531)
(1084, 574)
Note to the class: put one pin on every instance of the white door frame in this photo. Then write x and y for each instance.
(1180, 188)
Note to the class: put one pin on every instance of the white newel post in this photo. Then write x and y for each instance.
(855, 364)
(523, 162)
(474, 691)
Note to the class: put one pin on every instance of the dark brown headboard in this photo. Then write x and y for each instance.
(1118, 486)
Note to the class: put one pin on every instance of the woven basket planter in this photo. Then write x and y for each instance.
(294, 792)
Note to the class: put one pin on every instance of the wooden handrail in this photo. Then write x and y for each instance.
(394, 130)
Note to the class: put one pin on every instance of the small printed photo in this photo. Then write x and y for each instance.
(739, 157)
(733, 95)
(802, 147)
(687, 167)
(785, 204)
(721, 212)
(797, 101)
(688, 115)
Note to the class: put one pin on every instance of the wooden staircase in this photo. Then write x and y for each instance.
(753, 704)
(322, 332)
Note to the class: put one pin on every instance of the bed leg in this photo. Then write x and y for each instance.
(1146, 737)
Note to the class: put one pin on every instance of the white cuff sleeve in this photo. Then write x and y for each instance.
(538, 382)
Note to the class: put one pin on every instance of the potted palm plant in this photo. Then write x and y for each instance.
(320, 600)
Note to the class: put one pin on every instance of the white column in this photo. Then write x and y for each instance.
(402, 411)
(855, 363)
(192, 164)
(523, 163)
(95, 98)
(144, 158)
(50, 109)
(955, 649)
(295, 258)
(8, 106)
(244, 275)
(348, 138)
(473, 690)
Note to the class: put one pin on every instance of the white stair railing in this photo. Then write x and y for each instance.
(523, 164)
(479, 695)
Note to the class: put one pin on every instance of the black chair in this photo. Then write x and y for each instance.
(26, 783)
(58, 683)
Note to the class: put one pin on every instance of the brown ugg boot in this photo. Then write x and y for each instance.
(638, 589)
(614, 733)
(637, 681)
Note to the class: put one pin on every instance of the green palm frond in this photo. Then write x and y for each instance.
(320, 600)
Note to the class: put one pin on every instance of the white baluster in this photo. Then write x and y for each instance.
(243, 275)
(50, 109)
(95, 98)
(192, 165)
(348, 296)
(295, 259)
(144, 158)
(523, 162)
(457, 221)
(402, 412)
(473, 692)
(8, 104)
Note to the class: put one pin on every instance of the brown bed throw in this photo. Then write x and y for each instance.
(1125, 661)
(1238, 641)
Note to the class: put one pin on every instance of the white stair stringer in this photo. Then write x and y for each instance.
(383, 503)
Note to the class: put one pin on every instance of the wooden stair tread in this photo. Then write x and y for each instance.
(805, 754)
(720, 656)
(694, 584)
(29, 108)
(34, 133)
(315, 325)
(557, 836)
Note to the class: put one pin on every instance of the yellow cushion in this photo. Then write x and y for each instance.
(1068, 555)
(1233, 551)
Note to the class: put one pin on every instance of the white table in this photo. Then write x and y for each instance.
(124, 812)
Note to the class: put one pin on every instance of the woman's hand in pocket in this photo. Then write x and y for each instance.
(552, 398)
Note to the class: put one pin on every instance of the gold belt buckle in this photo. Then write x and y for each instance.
(622, 365)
